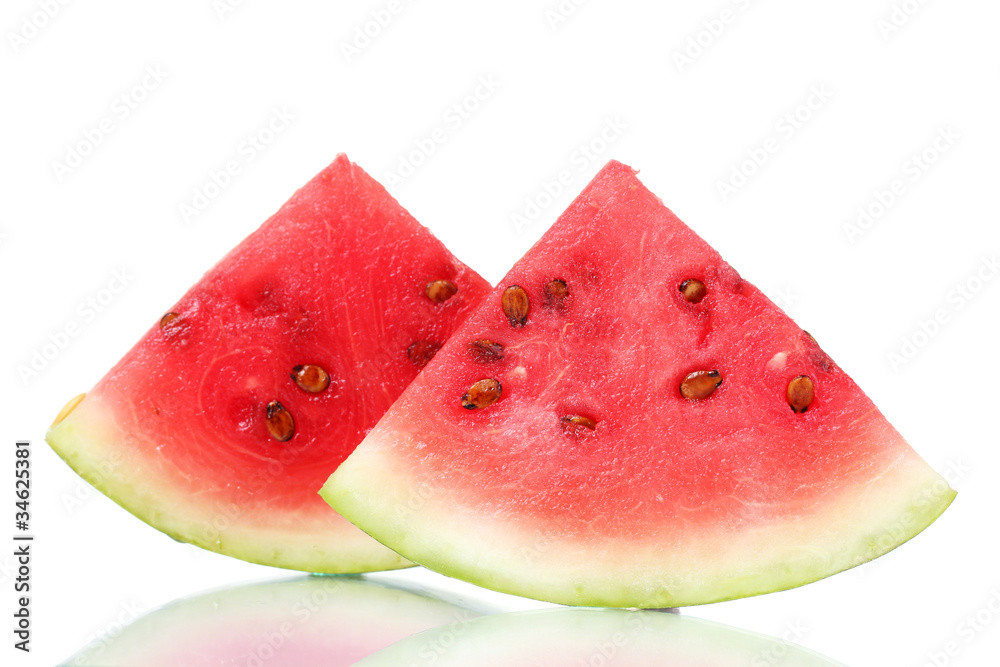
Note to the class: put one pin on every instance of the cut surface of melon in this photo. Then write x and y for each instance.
(593, 480)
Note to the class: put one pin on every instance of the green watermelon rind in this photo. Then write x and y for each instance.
(898, 503)
(91, 443)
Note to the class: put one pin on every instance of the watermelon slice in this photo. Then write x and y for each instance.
(627, 422)
(329, 621)
(221, 424)
(564, 637)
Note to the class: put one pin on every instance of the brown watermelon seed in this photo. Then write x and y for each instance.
(422, 351)
(800, 393)
(440, 291)
(556, 292)
(575, 422)
(168, 319)
(693, 290)
(515, 305)
(68, 408)
(280, 424)
(311, 378)
(485, 350)
(481, 394)
(700, 384)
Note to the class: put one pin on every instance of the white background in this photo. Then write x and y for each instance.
(685, 125)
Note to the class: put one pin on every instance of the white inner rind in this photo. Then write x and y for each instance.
(432, 526)
(93, 441)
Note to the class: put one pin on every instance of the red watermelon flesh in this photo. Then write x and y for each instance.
(182, 432)
(594, 479)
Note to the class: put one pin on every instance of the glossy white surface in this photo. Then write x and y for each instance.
(89, 257)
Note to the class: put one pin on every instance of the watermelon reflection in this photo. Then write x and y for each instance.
(575, 637)
(321, 620)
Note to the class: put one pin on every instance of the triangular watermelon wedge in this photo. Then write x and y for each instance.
(219, 426)
(625, 421)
